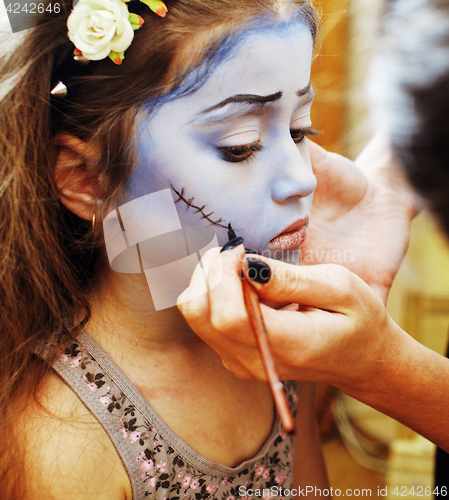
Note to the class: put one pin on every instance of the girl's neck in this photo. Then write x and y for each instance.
(126, 324)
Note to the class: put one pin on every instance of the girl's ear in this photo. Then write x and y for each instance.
(78, 187)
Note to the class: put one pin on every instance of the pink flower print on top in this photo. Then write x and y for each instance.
(148, 465)
(280, 479)
(295, 399)
(105, 400)
(212, 488)
(134, 436)
(266, 473)
(77, 361)
(260, 470)
(162, 469)
(185, 483)
(152, 482)
(162, 466)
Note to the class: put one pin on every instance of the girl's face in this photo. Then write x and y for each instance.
(234, 151)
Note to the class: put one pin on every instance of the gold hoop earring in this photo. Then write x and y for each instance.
(93, 221)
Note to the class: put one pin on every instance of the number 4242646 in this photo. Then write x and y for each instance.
(419, 491)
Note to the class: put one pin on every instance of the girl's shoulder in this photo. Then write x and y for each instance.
(64, 442)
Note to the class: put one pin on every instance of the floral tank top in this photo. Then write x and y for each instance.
(159, 463)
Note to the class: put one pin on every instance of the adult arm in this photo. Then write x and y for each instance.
(340, 334)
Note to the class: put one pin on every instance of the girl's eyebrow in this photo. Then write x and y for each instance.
(258, 99)
(245, 98)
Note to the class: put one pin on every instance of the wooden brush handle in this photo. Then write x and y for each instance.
(258, 326)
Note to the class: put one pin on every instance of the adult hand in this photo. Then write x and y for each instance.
(338, 331)
(361, 214)
(334, 330)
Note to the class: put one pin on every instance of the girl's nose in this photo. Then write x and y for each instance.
(294, 176)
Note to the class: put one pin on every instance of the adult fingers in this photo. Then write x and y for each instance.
(194, 299)
(325, 286)
(228, 313)
(299, 338)
(231, 334)
(194, 305)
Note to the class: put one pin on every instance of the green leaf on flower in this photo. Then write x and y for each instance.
(157, 6)
(136, 21)
(116, 57)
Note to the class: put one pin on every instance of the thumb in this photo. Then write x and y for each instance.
(338, 178)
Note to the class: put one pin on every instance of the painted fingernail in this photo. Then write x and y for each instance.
(258, 271)
(248, 250)
(235, 242)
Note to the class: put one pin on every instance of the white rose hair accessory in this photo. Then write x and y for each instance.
(105, 28)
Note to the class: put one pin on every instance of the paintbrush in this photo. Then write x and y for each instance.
(257, 324)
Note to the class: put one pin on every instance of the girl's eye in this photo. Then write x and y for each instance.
(239, 153)
(298, 134)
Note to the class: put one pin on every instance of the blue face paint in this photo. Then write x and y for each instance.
(220, 51)
(233, 151)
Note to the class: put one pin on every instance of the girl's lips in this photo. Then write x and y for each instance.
(289, 240)
(292, 237)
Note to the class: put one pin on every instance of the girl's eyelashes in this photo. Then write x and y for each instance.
(240, 153)
(246, 151)
(298, 134)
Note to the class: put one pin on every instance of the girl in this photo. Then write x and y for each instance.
(168, 135)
